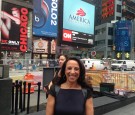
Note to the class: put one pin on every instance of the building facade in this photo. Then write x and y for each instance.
(34, 46)
(113, 11)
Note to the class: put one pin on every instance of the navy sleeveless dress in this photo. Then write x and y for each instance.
(69, 101)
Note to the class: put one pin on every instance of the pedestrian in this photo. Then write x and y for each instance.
(61, 59)
(70, 98)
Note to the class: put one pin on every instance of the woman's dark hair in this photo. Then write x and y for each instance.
(63, 55)
(81, 79)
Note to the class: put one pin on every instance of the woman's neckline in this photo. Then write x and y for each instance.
(70, 89)
(67, 86)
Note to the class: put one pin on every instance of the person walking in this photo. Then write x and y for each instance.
(61, 59)
(70, 99)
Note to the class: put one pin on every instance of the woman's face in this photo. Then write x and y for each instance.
(16, 13)
(62, 59)
(72, 71)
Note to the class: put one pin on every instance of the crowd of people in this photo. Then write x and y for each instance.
(68, 93)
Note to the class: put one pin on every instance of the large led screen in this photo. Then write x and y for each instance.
(78, 21)
(14, 21)
(45, 18)
(78, 16)
(123, 35)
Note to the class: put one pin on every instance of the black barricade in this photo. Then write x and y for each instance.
(16, 97)
(18, 100)
(12, 101)
(38, 97)
(24, 95)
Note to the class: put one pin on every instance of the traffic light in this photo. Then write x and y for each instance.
(127, 55)
(118, 55)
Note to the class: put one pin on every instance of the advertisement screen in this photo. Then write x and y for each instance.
(14, 21)
(77, 37)
(108, 8)
(78, 16)
(123, 35)
(45, 18)
(78, 20)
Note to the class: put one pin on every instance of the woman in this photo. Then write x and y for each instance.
(8, 21)
(70, 99)
(61, 59)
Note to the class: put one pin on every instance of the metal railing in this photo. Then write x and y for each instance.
(29, 64)
(123, 81)
(19, 97)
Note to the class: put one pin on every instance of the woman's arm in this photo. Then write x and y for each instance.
(89, 109)
(4, 29)
(50, 105)
(5, 14)
(50, 84)
(5, 25)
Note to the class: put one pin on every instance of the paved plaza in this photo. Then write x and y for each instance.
(18, 75)
(126, 110)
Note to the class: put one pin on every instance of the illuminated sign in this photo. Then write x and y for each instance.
(76, 37)
(45, 18)
(14, 27)
(123, 36)
(80, 18)
(107, 8)
(80, 26)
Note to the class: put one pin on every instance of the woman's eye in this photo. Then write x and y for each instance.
(70, 68)
(76, 69)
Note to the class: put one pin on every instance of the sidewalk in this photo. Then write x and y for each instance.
(38, 113)
(33, 104)
(126, 110)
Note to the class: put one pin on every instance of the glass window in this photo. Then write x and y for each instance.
(110, 31)
(119, 8)
(118, 18)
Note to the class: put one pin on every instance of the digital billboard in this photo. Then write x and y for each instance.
(14, 25)
(45, 18)
(108, 7)
(122, 40)
(78, 21)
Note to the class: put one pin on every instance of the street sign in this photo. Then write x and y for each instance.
(93, 53)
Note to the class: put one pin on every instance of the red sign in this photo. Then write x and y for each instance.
(67, 35)
(93, 53)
